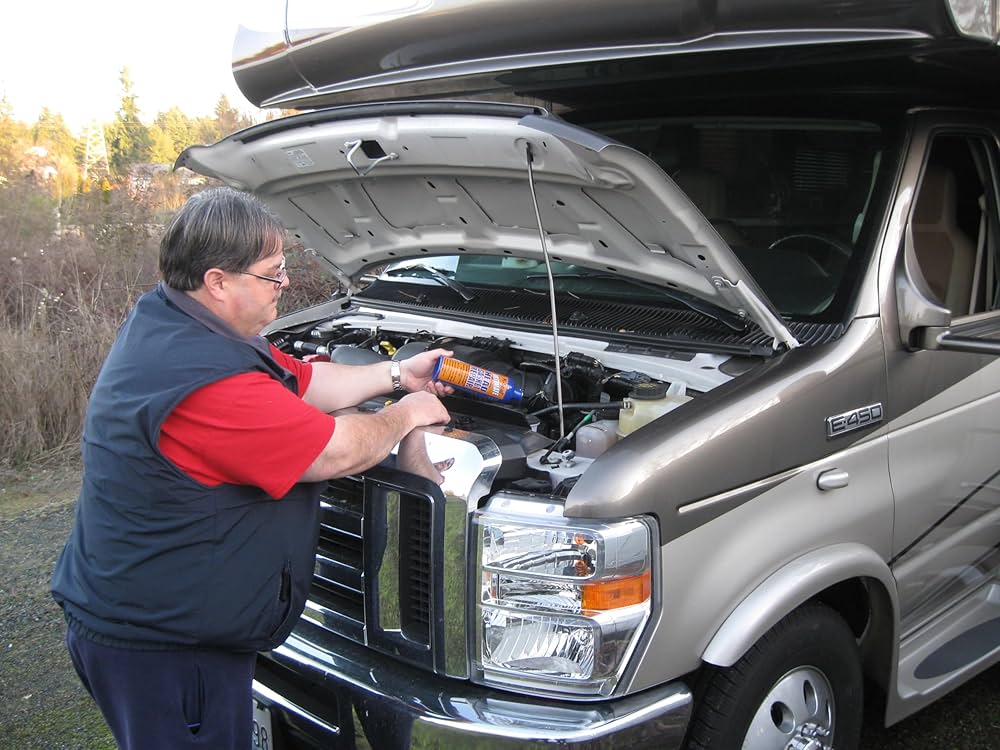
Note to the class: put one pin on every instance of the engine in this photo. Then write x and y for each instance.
(601, 403)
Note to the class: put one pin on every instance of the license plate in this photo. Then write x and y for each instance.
(261, 737)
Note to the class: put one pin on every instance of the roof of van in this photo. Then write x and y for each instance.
(313, 54)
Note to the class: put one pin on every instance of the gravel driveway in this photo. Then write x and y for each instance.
(43, 706)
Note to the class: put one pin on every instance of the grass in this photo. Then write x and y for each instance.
(43, 706)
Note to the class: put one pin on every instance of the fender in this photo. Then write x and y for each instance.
(787, 588)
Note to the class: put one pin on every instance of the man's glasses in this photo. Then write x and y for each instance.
(276, 280)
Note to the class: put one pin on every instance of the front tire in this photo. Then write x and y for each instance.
(799, 686)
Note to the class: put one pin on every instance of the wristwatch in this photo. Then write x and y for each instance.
(394, 373)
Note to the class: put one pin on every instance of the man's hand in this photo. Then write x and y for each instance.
(360, 441)
(415, 373)
(423, 409)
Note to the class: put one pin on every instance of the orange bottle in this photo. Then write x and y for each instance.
(476, 380)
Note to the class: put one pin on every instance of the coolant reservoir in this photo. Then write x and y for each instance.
(647, 401)
(595, 438)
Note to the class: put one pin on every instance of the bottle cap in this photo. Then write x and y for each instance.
(648, 391)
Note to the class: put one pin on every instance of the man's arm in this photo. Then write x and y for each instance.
(360, 441)
(335, 386)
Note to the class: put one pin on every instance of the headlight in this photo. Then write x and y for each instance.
(563, 602)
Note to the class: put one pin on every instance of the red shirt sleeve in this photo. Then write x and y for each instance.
(301, 370)
(247, 429)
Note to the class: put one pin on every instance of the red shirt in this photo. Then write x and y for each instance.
(248, 429)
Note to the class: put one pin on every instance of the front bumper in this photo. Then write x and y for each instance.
(355, 698)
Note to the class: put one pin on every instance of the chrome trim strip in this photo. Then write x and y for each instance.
(271, 698)
(749, 490)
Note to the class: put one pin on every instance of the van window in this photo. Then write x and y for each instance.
(954, 224)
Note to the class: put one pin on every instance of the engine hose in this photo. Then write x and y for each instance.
(564, 440)
(579, 407)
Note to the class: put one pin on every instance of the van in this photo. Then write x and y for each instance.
(742, 263)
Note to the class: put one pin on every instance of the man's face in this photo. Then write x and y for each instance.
(255, 293)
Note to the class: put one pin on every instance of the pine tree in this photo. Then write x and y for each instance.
(229, 118)
(227, 121)
(162, 149)
(179, 128)
(50, 131)
(14, 137)
(127, 138)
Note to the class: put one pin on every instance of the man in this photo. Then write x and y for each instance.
(204, 452)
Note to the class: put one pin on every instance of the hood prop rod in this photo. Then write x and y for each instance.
(552, 292)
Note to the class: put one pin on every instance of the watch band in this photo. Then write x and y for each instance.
(395, 372)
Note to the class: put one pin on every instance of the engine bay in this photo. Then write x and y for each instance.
(608, 391)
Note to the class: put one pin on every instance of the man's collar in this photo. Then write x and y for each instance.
(193, 308)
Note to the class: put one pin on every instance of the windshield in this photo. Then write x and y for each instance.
(797, 201)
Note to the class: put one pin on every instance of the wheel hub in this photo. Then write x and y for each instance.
(809, 737)
(796, 714)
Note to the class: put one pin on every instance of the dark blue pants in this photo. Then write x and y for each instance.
(168, 700)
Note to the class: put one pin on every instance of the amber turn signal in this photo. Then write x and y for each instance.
(616, 593)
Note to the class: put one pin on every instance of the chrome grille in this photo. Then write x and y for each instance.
(415, 576)
(336, 598)
(373, 580)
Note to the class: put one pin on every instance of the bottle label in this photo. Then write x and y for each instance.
(477, 380)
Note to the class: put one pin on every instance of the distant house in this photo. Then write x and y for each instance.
(142, 177)
(192, 179)
(38, 164)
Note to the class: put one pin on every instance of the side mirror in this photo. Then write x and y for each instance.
(975, 337)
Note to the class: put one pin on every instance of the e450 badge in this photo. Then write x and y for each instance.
(853, 420)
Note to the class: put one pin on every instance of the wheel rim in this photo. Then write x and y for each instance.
(796, 714)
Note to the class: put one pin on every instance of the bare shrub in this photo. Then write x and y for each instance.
(27, 216)
(67, 280)
(310, 280)
(65, 292)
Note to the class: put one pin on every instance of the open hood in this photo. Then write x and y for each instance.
(378, 183)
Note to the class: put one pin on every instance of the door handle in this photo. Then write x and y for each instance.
(832, 479)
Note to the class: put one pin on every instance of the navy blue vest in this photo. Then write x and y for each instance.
(156, 559)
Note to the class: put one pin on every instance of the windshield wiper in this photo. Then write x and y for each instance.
(728, 319)
(435, 273)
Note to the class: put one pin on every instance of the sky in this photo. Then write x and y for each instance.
(68, 56)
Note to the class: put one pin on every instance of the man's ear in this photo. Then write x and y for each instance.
(215, 283)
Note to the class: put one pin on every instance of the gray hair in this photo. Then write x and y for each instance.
(217, 228)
